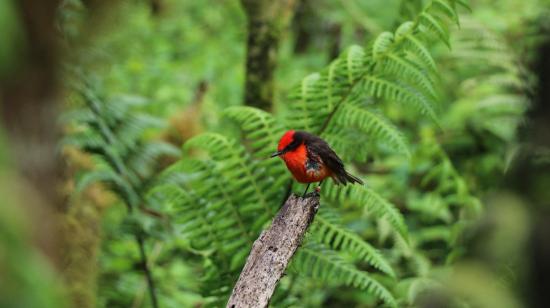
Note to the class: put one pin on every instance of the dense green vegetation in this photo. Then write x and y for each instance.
(168, 179)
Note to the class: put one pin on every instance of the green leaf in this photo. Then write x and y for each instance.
(432, 23)
(339, 238)
(369, 200)
(322, 264)
(382, 44)
(373, 125)
(389, 90)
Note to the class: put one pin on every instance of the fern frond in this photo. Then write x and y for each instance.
(382, 44)
(400, 93)
(258, 127)
(435, 25)
(373, 125)
(260, 135)
(417, 285)
(213, 204)
(134, 125)
(319, 93)
(339, 238)
(146, 157)
(415, 46)
(216, 222)
(87, 141)
(475, 43)
(232, 162)
(410, 71)
(339, 74)
(105, 176)
(349, 142)
(390, 70)
(320, 263)
(447, 9)
(464, 4)
(77, 116)
(369, 200)
(308, 105)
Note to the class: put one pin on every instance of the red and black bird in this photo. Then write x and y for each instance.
(310, 159)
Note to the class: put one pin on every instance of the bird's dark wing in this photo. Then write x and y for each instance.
(319, 149)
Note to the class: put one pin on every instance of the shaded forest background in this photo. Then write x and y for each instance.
(469, 189)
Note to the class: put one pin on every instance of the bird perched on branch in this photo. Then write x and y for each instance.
(310, 159)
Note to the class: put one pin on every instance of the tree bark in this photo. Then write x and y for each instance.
(157, 7)
(28, 115)
(272, 252)
(266, 21)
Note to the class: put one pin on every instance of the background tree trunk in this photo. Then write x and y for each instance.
(30, 99)
(28, 107)
(267, 19)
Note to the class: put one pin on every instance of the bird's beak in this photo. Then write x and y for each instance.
(276, 154)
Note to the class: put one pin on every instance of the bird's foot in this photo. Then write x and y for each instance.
(318, 189)
(311, 194)
(314, 193)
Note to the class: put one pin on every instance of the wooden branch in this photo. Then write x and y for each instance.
(272, 252)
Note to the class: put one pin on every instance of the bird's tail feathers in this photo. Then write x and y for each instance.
(353, 179)
(346, 177)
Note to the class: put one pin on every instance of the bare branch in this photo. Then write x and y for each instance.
(272, 252)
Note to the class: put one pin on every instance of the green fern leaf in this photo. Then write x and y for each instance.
(146, 157)
(355, 63)
(418, 49)
(105, 176)
(260, 135)
(133, 127)
(259, 129)
(447, 9)
(373, 125)
(320, 263)
(370, 201)
(408, 70)
(339, 238)
(318, 94)
(464, 4)
(349, 142)
(231, 162)
(383, 88)
(197, 222)
(87, 141)
(404, 30)
(308, 103)
(77, 117)
(381, 44)
(432, 23)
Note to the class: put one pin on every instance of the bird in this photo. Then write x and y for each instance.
(310, 159)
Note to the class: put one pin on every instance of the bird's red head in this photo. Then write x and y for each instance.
(286, 139)
(288, 143)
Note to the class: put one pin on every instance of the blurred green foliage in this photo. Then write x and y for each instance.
(27, 279)
(11, 39)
